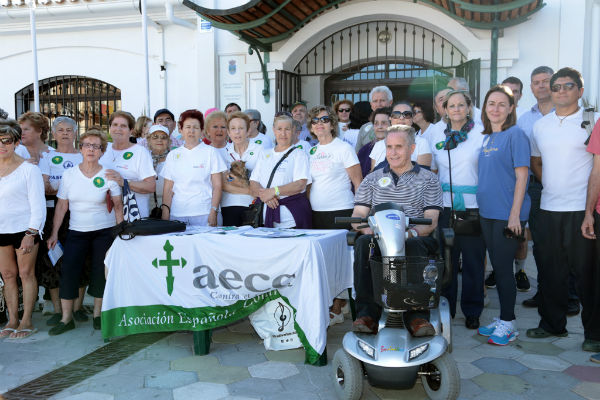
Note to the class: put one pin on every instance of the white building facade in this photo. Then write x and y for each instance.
(91, 58)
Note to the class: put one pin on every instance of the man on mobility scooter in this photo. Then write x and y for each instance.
(396, 267)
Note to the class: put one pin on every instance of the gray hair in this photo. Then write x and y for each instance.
(409, 130)
(64, 120)
(381, 89)
(461, 83)
(542, 70)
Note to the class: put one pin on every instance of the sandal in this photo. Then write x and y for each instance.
(5, 332)
(28, 332)
(335, 318)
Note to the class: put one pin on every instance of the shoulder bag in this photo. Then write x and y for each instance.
(463, 222)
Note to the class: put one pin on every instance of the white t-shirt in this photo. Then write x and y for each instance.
(87, 199)
(22, 198)
(250, 156)
(22, 151)
(223, 152)
(55, 165)
(349, 136)
(331, 187)
(190, 171)
(134, 163)
(304, 145)
(464, 159)
(262, 140)
(566, 165)
(293, 168)
(378, 151)
(427, 134)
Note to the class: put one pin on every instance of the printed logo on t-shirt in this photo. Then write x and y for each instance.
(98, 182)
(258, 141)
(127, 155)
(313, 150)
(383, 182)
(251, 153)
(67, 164)
(440, 145)
(57, 160)
(299, 147)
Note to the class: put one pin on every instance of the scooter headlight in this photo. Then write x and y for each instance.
(367, 349)
(430, 274)
(417, 351)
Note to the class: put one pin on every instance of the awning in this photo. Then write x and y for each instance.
(263, 22)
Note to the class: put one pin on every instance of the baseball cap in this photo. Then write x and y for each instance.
(163, 111)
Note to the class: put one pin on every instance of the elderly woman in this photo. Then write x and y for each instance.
(140, 130)
(83, 192)
(402, 114)
(159, 144)
(53, 167)
(380, 119)
(456, 150)
(34, 133)
(503, 201)
(216, 132)
(192, 173)
(21, 219)
(286, 204)
(125, 160)
(237, 196)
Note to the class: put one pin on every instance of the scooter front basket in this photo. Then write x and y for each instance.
(402, 283)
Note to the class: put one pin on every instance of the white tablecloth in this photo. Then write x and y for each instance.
(216, 279)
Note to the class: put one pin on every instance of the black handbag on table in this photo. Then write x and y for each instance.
(146, 227)
(466, 222)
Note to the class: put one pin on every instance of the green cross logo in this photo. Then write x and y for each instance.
(440, 145)
(251, 153)
(313, 150)
(169, 263)
(258, 141)
(127, 155)
(98, 182)
(299, 147)
(57, 159)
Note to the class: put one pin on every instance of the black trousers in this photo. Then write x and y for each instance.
(472, 249)
(326, 219)
(78, 245)
(233, 215)
(363, 283)
(566, 250)
(502, 252)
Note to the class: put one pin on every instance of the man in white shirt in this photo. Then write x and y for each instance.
(379, 97)
(560, 160)
(300, 113)
(166, 118)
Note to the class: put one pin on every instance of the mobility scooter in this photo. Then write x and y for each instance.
(393, 358)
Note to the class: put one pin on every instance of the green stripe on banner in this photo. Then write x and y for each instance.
(123, 321)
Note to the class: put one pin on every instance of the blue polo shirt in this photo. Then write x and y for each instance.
(501, 153)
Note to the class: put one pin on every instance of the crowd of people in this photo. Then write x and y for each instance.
(498, 176)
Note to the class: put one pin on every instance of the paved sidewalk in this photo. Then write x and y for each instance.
(239, 367)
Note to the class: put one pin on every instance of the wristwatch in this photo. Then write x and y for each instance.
(214, 208)
(413, 232)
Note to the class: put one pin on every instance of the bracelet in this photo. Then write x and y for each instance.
(168, 208)
(30, 233)
(214, 208)
(277, 191)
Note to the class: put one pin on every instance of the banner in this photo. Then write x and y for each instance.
(203, 281)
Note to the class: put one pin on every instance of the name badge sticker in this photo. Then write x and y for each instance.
(385, 181)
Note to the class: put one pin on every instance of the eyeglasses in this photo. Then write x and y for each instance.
(90, 146)
(7, 140)
(567, 86)
(324, 119)
(283, 113)
(402, 114)
(161, 137)
(344, 109)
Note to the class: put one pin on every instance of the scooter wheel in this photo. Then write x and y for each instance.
(441, 378)
(348, 376)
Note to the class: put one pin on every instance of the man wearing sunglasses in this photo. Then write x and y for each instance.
(560, 160)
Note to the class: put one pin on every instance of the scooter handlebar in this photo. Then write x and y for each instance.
(420, 221)
(349, 220)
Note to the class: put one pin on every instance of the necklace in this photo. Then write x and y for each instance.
(563, 118)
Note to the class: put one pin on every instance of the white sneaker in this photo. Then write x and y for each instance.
(489, 329)
(48, 308)
(335, 318)
(503, 334)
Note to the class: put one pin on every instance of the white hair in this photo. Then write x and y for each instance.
(461, 83)
(64, 120)
(409, 130)
(381, 89)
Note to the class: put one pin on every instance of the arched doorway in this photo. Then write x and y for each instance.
(410, 59)
(88, 101)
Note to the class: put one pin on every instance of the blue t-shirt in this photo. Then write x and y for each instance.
(501, 153)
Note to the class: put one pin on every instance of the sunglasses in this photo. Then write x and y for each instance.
(324, 119)
(283, 113)
(402, 114)
(90, 146)
(567, 86)
(344, 110)
(161, 137)
(7, 141)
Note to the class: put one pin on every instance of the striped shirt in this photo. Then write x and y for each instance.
(416, 190)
